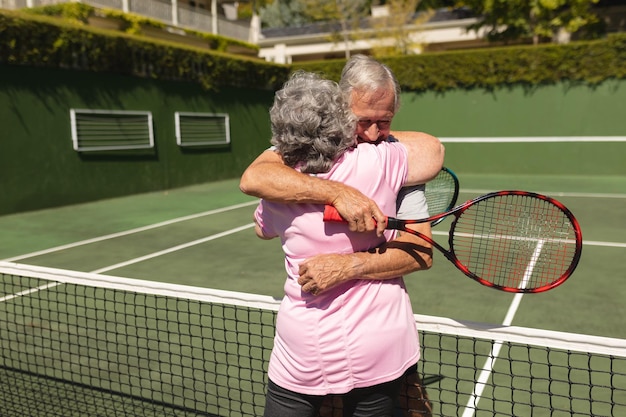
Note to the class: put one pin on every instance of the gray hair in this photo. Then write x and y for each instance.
(364, 73)
(312, 124)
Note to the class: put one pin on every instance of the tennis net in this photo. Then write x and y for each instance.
(80, 344)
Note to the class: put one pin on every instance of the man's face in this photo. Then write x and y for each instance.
(374, 112)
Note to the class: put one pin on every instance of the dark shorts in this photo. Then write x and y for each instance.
(376, 401)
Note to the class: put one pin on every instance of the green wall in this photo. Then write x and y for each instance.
(39, 167)
(551, 110)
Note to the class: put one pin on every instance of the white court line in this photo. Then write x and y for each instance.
(585, 242)
(29, 291)
(136, 260)
(528, 139)
(560, 194)
(485, 373)
(236, 206)
(129, 232)
(553, 193)
(607, 244)
(173, 249)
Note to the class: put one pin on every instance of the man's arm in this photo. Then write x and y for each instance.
(426, 155)
(269, 178)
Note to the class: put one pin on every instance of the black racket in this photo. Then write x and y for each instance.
(514, 241)
(441, 193)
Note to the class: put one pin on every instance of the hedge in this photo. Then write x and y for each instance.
(51, 42)
(42, 41)
(590, 62)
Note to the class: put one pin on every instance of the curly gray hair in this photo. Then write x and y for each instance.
(312, 124)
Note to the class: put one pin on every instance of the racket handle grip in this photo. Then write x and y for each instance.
(332, 215)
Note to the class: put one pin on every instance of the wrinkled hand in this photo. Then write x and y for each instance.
(361, 212)
(322, 272)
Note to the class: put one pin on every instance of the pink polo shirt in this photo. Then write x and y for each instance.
(362, 332)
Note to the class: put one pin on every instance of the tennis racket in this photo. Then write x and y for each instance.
(441, 193)
(514, 241)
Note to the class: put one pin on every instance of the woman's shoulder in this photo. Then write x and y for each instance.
(367, 157)
(385, 150)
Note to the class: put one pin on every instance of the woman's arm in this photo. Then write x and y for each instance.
(403, 255)
(259, 231)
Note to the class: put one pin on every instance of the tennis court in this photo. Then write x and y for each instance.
(202, 236)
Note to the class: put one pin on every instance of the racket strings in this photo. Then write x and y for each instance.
(440, 193)
(515, 241)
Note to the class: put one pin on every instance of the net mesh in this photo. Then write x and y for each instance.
(74, 344)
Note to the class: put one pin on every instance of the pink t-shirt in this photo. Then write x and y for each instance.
(362, 332)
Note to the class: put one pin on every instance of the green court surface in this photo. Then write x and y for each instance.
(202, 236)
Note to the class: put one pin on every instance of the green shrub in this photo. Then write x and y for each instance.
(48, 42)
(130, 23)
(43, 41)
(77, 12)
(590, 62)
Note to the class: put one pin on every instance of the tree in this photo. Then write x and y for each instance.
(435, 4)
(517, 19)
(395, 34)
(341, 17)
(348, 13)
(283, 13)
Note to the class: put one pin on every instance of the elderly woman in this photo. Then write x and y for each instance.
(357, 338)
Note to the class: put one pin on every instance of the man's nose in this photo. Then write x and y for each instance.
(372, 131)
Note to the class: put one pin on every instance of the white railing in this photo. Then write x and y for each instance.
(200, 20)
(165, 11)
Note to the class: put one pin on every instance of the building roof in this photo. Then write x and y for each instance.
(440, 15)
